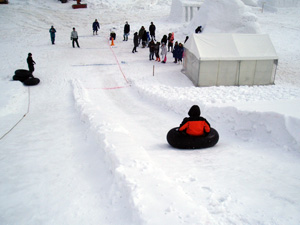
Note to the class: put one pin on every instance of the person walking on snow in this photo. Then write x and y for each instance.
(74, 38)
(126, 31)
(52, 32)
(135, 42)
(30, 63)
(96, 26)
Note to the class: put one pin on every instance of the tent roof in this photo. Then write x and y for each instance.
(219, 46)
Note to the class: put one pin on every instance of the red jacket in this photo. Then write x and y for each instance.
(195, 128)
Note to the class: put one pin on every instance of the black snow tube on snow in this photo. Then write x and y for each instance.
(22, 75)
(182, 140)
(31, 81)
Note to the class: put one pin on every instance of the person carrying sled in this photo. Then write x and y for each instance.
(195, 125)
(30, 63)
(96, 26)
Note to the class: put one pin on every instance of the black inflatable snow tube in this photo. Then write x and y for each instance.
(181, 140)
(31, 81)
(22, 75)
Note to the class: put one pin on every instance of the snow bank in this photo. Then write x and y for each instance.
(221, 16)
(249, 126)
(126, 4)
(138, 180)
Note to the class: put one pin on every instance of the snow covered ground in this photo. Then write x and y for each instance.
(91, 148)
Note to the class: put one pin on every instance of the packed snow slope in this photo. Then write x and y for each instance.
(88, 144)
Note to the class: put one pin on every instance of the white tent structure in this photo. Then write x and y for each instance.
(230, 59)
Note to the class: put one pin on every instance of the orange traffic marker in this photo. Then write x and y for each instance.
(112, 42)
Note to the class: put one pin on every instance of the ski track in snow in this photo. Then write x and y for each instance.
(113, 164)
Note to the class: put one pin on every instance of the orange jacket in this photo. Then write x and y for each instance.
(195, 128)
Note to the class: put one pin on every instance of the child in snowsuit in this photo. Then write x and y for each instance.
(164, 52)
(195, 125)
(112, 35)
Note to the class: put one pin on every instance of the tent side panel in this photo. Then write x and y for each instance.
(247, 72)
(227, 74)
(264, 72)
(208, 73)
(191, 67)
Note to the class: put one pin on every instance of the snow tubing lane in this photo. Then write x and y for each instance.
(31, 81)
(22, 75)
(181, 140)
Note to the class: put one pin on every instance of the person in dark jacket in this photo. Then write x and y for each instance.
(30, 63)
(152, 29)
(176, 52)
(144, 39)
(135, 42)
(126, 31)
(151, 49)
(186, 38)
(52, 32)
(96, 26)
(195, 125)
(141, 33)
(156, 51)
(164, 39)
(180, 52)
(198, 30)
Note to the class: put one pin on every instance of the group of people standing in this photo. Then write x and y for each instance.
(143, 37)
(148, 39)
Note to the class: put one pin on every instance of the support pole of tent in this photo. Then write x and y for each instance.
(191, 13)
(262, 7)
(186, 14)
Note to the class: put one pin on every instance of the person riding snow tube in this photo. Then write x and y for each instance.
(194, 132)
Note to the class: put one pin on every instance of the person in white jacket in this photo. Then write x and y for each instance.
(74, 38)
(163, 52)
